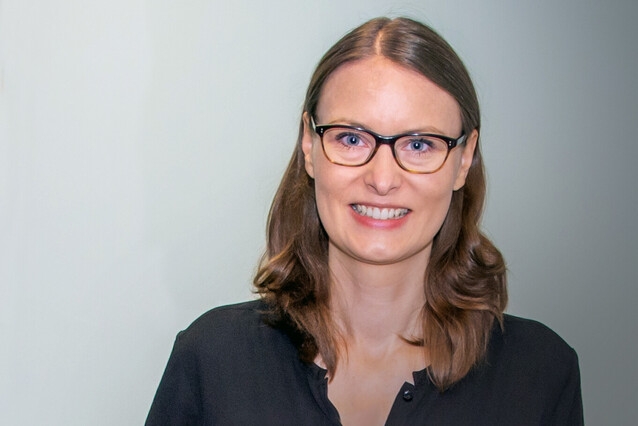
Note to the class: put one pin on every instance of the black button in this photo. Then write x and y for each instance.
(407, 395)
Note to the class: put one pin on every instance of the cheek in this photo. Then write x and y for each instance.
(329, 192)
(322, 197)
(434, 200)
(441, 208)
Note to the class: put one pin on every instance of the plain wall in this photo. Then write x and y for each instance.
(142, 141)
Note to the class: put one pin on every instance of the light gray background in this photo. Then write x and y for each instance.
(141, 143)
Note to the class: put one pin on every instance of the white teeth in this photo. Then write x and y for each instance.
(380, 214)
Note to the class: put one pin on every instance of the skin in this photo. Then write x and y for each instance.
(377, 266)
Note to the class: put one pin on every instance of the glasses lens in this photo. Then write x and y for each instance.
(421, 153)
(347, 146)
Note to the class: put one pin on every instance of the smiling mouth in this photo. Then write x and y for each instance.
(380, 214)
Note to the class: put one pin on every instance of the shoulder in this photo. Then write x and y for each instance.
(228, 334)
(534, 369)
(226, 357)
(531, 356)
(226, 320)
(226, 324)
(531, 339)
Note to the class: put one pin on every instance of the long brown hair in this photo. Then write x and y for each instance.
(465, 284)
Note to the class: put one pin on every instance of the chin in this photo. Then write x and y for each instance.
(384, 255)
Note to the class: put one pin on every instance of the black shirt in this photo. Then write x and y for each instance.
(230, 368)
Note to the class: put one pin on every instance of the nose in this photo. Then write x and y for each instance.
(383, 175)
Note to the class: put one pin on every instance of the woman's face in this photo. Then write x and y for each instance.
(388, 99)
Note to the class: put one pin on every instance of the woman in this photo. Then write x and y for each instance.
(381, 301)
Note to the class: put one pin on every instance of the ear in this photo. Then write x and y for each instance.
(466, 159)
(307, 141)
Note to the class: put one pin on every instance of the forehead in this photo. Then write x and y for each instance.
(387, 98)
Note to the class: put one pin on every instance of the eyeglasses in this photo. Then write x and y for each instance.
(414, 152)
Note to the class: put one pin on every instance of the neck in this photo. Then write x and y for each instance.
(377, 304)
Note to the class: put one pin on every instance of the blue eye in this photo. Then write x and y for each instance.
(349, 139)
(419, 145)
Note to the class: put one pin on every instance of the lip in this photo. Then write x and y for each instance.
(371, 222)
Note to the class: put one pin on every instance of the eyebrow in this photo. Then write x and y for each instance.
(425, 129)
